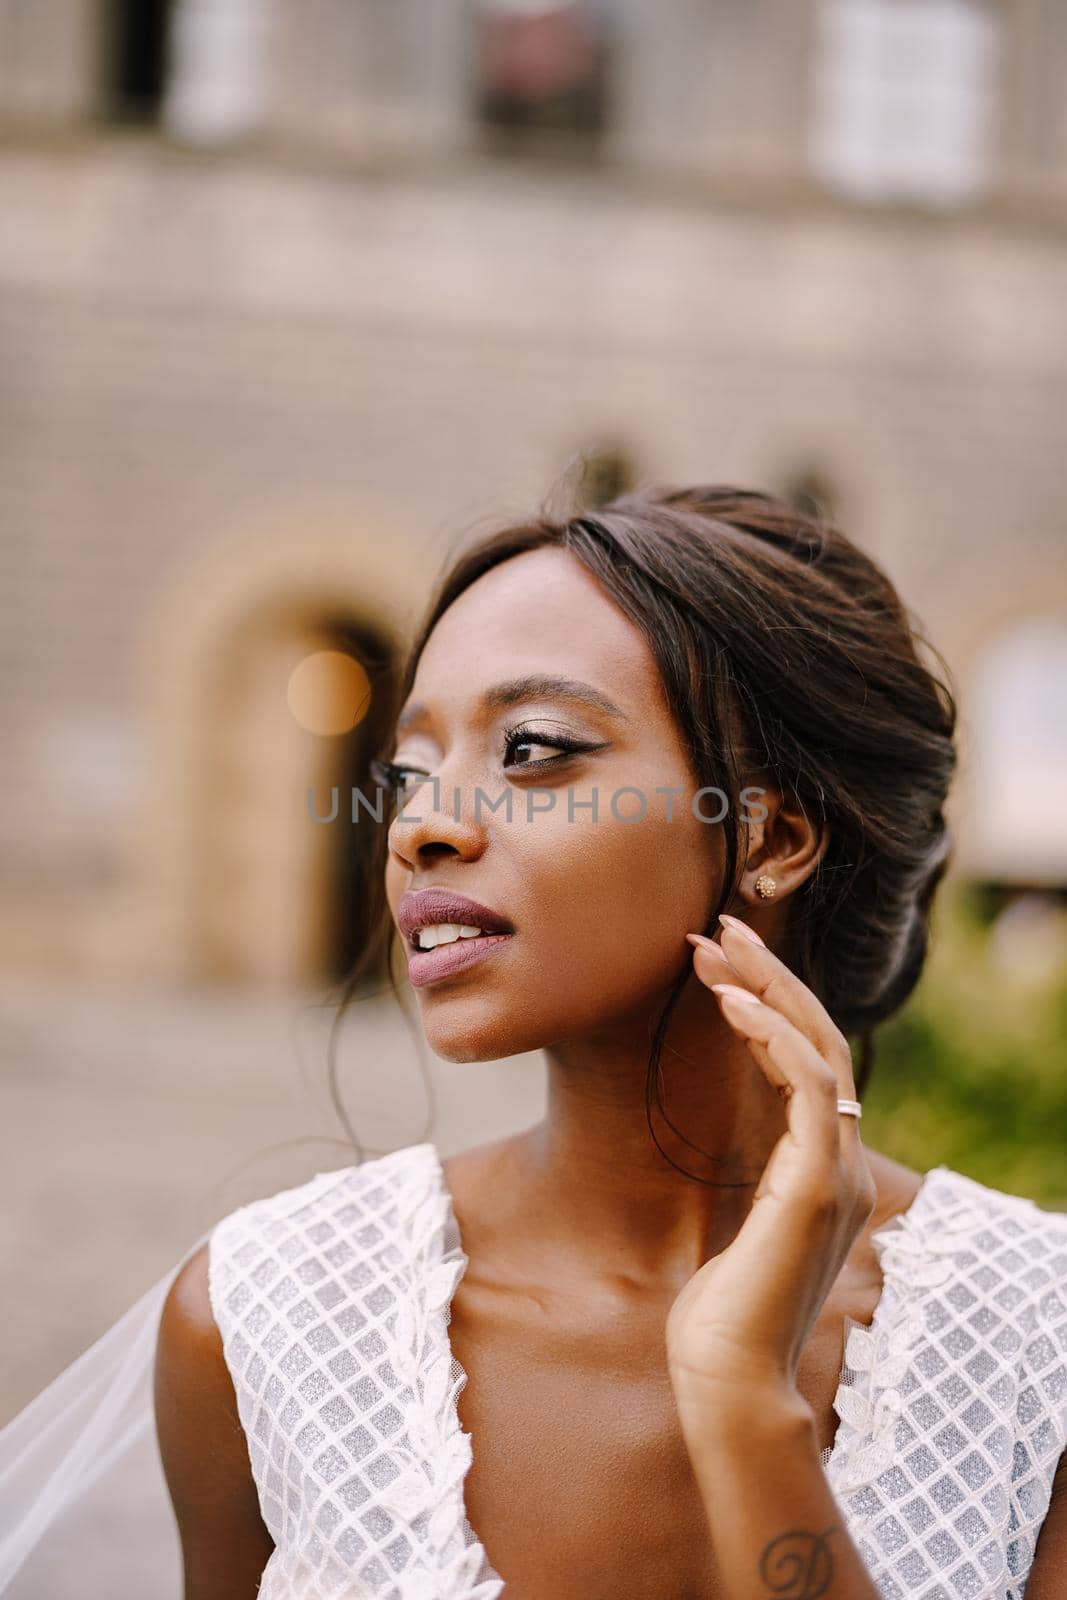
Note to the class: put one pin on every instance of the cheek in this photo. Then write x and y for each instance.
(616, 899)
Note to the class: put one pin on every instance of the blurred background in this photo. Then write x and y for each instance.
(295, 295)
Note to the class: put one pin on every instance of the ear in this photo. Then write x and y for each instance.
(787, 845)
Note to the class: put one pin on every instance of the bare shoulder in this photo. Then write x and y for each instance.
(189, 1353)
(225, 1544)
(187, 1313)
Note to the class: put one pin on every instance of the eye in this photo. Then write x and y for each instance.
(541, 739)
(393, 775)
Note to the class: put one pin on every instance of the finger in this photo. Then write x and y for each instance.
(712, 965)
(792, 1060)
(712, 943)
(777, 986)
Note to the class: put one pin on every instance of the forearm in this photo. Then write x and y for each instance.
(776, 1528)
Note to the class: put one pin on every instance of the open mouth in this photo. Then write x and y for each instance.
(447, 931)
(452, 955)
(438, 936)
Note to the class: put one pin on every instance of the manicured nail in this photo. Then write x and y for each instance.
(734, 993)
(742, 927)
(702, 939)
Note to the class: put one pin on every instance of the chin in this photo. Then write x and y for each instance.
(460, 1031)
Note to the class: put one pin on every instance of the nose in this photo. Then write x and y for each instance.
(431, 824)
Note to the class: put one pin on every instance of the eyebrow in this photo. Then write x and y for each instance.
(536, 685)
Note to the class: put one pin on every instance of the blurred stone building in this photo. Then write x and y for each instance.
(296, 293)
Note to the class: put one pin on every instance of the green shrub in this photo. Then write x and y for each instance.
(970, 1075)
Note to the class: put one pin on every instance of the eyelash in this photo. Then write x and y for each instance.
(389, 774)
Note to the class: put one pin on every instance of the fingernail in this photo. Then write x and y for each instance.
(734, 993)
(742, 927)
(702, 939)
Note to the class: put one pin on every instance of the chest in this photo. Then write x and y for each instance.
(581, 1486)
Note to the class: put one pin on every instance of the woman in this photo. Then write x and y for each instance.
(669, 783)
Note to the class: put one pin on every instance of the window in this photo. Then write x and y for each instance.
(812, 491)
(196, 66)
(540, 67)
(137, 58)
(217, 63)
(906, 99)
(1019, 760)
(605, 472)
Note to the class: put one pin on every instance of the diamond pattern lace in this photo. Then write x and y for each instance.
(953, 1403)
(334, 1301)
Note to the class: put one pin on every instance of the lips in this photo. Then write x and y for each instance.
(423, 907)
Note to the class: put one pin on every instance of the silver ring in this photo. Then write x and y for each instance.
(850, 1108)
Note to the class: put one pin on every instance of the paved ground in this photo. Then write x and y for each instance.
(132, 1120)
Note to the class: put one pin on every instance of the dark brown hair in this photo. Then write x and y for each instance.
(781, 645)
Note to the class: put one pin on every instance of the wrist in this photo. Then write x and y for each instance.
(723, 1413)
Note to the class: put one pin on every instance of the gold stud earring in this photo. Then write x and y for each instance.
(766, 886)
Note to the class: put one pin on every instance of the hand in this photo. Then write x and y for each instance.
(740, 1323)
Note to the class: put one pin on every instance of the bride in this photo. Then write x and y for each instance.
(666, 796)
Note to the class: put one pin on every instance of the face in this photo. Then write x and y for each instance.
(600, 908)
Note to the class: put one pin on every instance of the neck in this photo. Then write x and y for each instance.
(590, 1172)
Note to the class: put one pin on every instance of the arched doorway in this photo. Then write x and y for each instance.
(282, 898)
(136, 50)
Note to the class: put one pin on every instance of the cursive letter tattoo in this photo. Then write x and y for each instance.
(798, 1564)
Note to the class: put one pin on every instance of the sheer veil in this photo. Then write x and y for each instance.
(84, 1506)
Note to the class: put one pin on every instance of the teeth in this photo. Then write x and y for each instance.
(444, 933)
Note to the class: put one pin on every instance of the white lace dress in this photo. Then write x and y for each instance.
(334, 1299)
